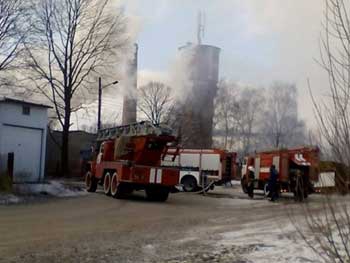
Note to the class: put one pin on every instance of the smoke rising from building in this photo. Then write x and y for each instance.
(130, 100)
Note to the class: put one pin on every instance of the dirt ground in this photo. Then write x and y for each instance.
(186, 228)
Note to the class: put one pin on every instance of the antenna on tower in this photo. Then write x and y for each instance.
(200, 27)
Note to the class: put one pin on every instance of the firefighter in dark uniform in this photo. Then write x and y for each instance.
(251, 177)
(272, 183)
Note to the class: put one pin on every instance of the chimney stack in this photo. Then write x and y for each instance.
(129, 101)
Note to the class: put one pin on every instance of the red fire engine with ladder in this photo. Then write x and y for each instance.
(298, 170)
(129, 159)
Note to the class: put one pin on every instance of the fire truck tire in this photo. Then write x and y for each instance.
(117, 189)
(266, 190)
(189, 183)
(107, 184)
(90, 182)
(157, 193)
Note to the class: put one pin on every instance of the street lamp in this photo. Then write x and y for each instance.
(100, 88)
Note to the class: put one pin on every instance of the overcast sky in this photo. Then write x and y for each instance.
(261, 40)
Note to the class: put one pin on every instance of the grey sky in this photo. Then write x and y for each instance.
(261, 40)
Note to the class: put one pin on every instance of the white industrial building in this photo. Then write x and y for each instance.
(23, 129)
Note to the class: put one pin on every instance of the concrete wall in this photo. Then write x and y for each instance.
(78, 141)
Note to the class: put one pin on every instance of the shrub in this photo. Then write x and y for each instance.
(5, 183)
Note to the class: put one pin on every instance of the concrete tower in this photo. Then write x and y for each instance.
(198, 111)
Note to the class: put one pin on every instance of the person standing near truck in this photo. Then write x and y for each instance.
(272, 183)
(251, 177)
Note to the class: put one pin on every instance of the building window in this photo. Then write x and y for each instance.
(26, 110)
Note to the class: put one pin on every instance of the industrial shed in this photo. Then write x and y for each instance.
(23, 129)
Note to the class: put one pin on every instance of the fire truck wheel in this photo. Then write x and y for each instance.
(90, 182)
(157, 193)
(266, 190)
(189, 183)
(107, 184)
(117, 189)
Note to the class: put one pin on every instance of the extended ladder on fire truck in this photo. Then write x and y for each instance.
(133, 129)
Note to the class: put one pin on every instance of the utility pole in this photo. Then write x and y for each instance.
(99, 103)
(100, 100)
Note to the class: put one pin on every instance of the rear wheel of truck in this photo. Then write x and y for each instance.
(266, 190)
(90, 182)
(107, 184)
(119, 190)
(157, 193)
(115, 186)
(189, 183)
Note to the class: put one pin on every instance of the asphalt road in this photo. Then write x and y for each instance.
(97, 228)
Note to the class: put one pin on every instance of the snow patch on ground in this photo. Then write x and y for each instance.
(7, 199)
(27, 192)
(52, 188)
(149, 249)
(186, 240)
(235, 182)
(268, 243)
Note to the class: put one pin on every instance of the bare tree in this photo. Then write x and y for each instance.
(251, 118)
(251, 105)
(327, 232)
(226, 107)
(11, 31)
(237, 114)
(333, 113)
(12, 34)
(72, 41)
(154, 101)
(281, 126)
(325, 228)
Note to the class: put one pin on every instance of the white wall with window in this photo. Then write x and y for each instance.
(23, 130)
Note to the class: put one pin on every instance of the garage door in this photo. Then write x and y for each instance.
(26, 144)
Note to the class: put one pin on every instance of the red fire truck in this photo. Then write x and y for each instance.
(201, 167)
(298, 169)
(129, 159)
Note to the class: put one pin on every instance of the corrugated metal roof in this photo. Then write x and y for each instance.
(20, 101)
